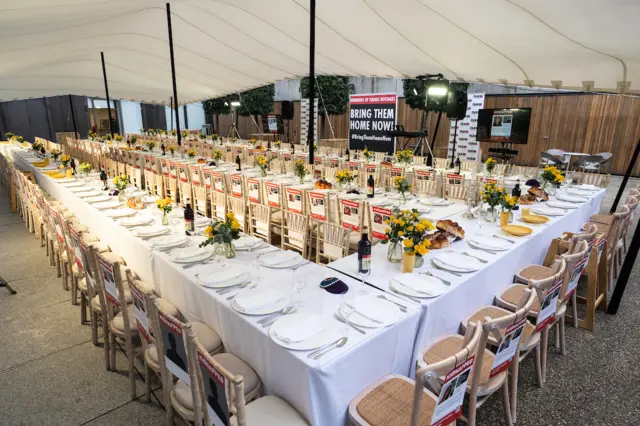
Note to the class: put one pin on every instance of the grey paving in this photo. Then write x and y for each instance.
(51, 374)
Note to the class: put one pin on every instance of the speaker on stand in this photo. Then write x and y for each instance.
(287, 110)
(456, 110)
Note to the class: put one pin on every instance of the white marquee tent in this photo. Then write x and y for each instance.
(52, 47)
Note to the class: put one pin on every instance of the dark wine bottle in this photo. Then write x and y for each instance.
(189, 223)
(458, 165)
(516, 192)
(364, 254)
(371, 186)
(347, 153)
(163, 148)
(238, 166)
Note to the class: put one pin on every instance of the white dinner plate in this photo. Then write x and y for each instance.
(436, 202)
(93, 193)
(330, 334)
(151, 231)
(267, 260)
(98, 199)
(149, 199)
(588, 187)
(571, 198)
(192, 254)
(135, 221)
(562, 205)
(81, 189)
(436, 287)
(248, 243)
(281, 303)
(124, 212)
(386, 313)
(579, 192)
(549, 211)
(169, 241)
(218, 278)
(72, 184)
(471, 264)
(486, 242)
(66, 180)
(111, 204)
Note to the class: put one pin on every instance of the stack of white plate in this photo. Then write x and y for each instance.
(135, 221)
(72, 183)
(579, 192)
(281, 259)
(457, 262)
(229, 275)
(169, 241)
(124, 212)
(81, 189)
(438, 202)
(417, 285)
(561, 205)
(92, 193)
(65, 180)
(248, 243)
(192, 254)
(571, 198)
(489, 243)
(303, 331)
(588, 187)
(262, 300)
(111, 204)
(151, 231)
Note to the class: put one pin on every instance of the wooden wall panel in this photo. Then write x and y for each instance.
(590, 123)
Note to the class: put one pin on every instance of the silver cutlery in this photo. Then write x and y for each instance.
(445, 282)
(340, 344)
(446, 270)
(275, 314)
(355, 327)
(475, 257)
(403, 296)
(277, 317)
(402, 307)
(226, 289)
(323, 347)
(204, 262)
(503, 238)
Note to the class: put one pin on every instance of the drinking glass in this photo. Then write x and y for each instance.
(363, 275)
(345, 310)
(298, 286)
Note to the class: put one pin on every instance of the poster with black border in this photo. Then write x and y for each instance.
(371, 117)
(175, 352)
(215, 391)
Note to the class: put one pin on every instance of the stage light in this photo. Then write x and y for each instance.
(235, 103)
(438, 89)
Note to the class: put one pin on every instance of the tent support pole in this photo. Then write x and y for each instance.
(173, 75)
(171, 111)
(73, 117)
(106, 89)
(312, 77)
(625, 179)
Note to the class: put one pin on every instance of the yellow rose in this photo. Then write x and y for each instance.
(420, 227)
(407, 243)
(386, 221)
(231, 216)
(400, 233)
(208, 232)
(410, 228)
(387, 230)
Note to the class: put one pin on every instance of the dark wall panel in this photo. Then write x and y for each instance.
(153, 117)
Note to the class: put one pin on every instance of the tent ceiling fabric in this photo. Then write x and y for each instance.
(52, 47)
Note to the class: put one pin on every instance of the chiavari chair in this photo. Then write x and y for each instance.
(260, 221)
(351, 214)
(238, 205)
(332, 242)
(457, 192)
(295, 232)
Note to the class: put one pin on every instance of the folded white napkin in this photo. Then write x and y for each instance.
(489, 242)
(253, 300)
(168, 240)
(420, 283)
(588, 187)
(301, 330)
(279, 257)
(457, 261)
(439, 202)
(246, 242)
(150, 230)
(188, 253)
(228, 273)
(374, 309)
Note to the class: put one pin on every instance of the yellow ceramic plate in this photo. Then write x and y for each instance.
(517, 230)
(535, 218)
(59, 176)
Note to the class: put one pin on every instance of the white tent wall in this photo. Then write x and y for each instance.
(53, 48)
(195, 116)
(131, 117)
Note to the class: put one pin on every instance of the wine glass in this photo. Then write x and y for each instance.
(345, 310)
(480, 217)
(298, 286)
(363, 276)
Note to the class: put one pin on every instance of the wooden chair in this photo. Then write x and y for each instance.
(597, 179)
(218, 205)
(332, 242)
(543, 281)
(295, 232)
(399, 400)
(229, 384)
(441, 163)
(497, 320)
(457, 192)
(201, 201)
(425, 187)
(186, 193)
(170, 188)
(239, 208)
(351, 214)
(611, 227)
(260, 221)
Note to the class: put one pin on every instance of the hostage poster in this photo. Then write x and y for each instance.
(370, 118)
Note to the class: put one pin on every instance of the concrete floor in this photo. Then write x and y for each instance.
(51, 374)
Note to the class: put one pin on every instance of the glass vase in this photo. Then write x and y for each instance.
(419, 261)
(492, 214)
(394, 252)
(229, 250)
(339, 186)
(165, 218)
(263, 172)
(121, 196)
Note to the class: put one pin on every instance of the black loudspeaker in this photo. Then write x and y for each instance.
(457, 105)
(287, 110)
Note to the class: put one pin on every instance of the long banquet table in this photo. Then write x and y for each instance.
(320, 389)
(441, 315)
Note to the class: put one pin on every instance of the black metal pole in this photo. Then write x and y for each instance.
(435, 132)
(625, 272)
(106, 89)
(312, 76)
(453, 154)
(171, 109)
(73, 117)
(173, 74)
(186, 119)
(632, 163)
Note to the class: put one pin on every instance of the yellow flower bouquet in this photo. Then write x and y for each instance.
(65, 159)
(85, 168)
(368, 155)
(191, 153)
(344, 176)
(406, 228)
(489, 165)
(401, 184)
(165, 206)
(172, 149)
(55, 153)
(263, 163)
(404, 157)
(551, 175)
(300, 169)
(121, 182)
(509, 202)
(150, 145)
(217, 155)
(223, 233)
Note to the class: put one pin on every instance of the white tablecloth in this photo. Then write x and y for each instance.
(320, 389)
(442, 315)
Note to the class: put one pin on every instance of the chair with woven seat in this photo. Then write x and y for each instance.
(181, 396)
(218, 205)
(541, 279)
(395, 400)
(497, 320)
(351, 214)
(263, 411)
(611, 227)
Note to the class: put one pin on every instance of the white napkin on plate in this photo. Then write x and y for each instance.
(488, 242)
(188, 253)
(279, 257)
(419, 283)
(301, 330)
(374, 309)
(150, 230)
(246, 242)
(228, 273)
(253, 300)
(457, 261)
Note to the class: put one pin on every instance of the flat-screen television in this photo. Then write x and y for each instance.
(509, 125)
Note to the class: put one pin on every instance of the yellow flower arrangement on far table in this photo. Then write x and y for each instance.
(404, 157)
(165, 205)
(191, 153)
(344, 176)
(65, 159)
(263, 163)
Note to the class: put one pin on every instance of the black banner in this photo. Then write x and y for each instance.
(370, 118)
